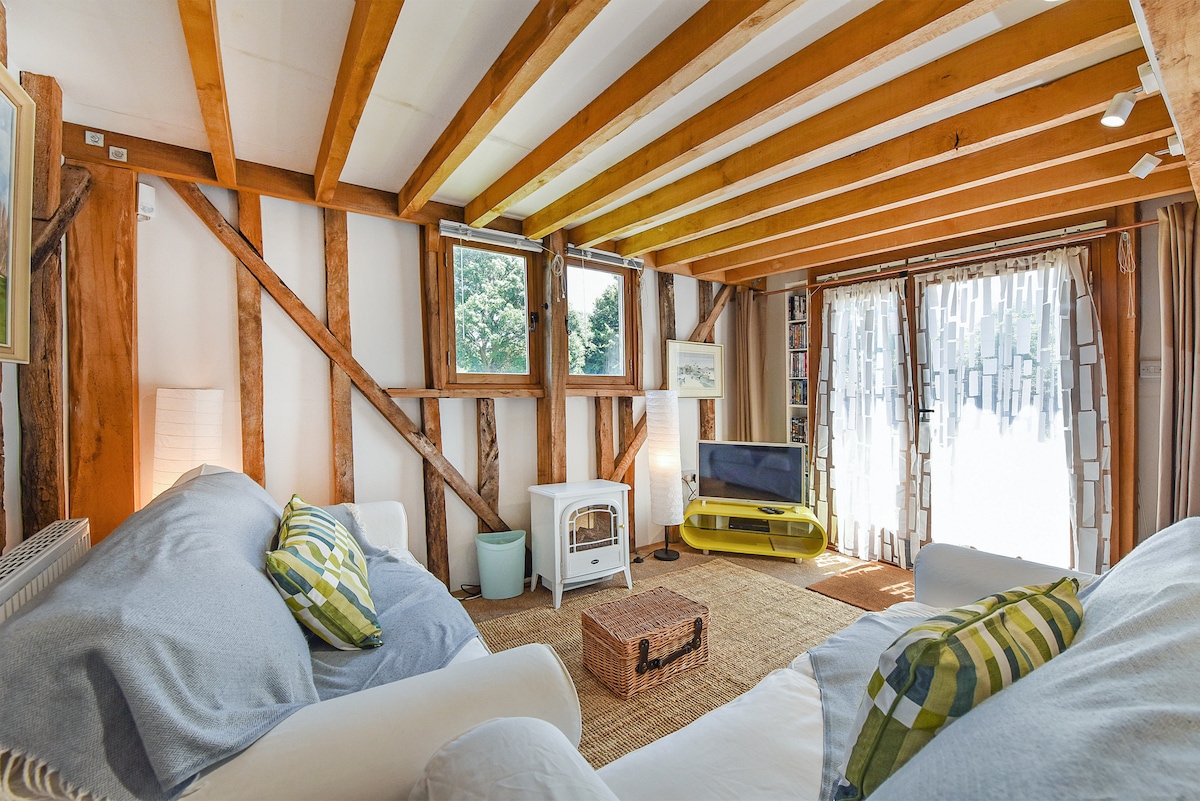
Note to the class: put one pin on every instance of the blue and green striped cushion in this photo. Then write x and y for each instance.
(938, 671)
(322, 575)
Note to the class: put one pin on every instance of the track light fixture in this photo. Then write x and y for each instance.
(1145, 165)
(1118, 110)
(1174, 145)
(1148, 78)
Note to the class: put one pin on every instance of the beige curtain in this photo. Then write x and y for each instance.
(749, 417)
(1179, 419)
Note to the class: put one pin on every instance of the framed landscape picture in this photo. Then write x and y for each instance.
(16, 208)
(696, 369)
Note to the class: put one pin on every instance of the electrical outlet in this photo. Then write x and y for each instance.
(118, 154)
(1150, 369)
(689, 476)
(93, 138)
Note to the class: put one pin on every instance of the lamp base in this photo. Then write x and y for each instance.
(666, 555)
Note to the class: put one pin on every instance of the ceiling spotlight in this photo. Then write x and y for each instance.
(1149, 79)
(1145, 165)
(1118, 110)
(1174, 146)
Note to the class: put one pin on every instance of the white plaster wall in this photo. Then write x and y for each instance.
(187, 336)
(187, 317)
(12, 456)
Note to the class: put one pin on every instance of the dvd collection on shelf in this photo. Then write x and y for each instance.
(799, 392)
(799, 429)
(799, 364)
(798, 307)
(797, 335)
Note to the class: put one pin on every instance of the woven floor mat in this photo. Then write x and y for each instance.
(874, 586)
(757, 623)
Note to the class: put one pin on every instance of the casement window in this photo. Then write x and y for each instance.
(603, 331)
(491, 336)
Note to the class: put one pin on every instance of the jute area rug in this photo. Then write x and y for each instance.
(757, 623)
(873, 587)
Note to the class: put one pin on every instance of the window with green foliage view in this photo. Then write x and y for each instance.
(491, 333)
(595, 322)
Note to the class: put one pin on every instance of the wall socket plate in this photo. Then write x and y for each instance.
(118, 154)
(93, 138)
(1150, 369)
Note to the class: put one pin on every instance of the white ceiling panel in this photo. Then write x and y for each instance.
(281, 61)
(439, 52)
(122, 65)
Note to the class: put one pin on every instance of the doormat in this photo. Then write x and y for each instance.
(874, 586)
(757, 623)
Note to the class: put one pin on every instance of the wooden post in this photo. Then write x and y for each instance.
(337, 315)
(40, 383)
(1128, 325)
(604, 437)
(552, 408)
(102, 381)
(250, 352)
(666, 316)
(437, 549)
(436, 368)
(3, 514)
(626, 429)
(489, 454)
(708, 406)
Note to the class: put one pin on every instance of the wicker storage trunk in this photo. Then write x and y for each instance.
(641, 641)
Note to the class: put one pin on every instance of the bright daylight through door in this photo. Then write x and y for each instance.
(989, 368)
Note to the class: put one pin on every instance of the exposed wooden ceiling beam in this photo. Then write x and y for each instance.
(185, 164)
(199, 18)
(1102, 169)
(1174, 28)
(1166, 180)
(1055, 37)
(873, 38)
(541, 39)
(1076, 96)
(371, 28)
(1075, 141)
(716, 31)
(948, 247)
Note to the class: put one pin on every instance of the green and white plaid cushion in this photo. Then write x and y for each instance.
(939, 670)
(322, 574)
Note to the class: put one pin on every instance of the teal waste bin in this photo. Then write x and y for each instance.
(501, 564)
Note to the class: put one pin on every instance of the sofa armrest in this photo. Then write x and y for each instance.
(374, 744)
(385, 523)
(949, 575)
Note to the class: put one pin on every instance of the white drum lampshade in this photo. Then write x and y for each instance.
(666, 471)
(187, 432)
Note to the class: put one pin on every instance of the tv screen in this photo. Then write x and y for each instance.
(752, 471)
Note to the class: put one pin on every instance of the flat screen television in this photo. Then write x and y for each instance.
(752, 471)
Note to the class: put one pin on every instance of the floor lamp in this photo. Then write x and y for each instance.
(666, 472)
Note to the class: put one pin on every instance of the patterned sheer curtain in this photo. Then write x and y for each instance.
(1011, 364)
(863, 452)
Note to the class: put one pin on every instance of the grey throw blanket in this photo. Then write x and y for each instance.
(168, 650)
(843, 665)
(423, 626)
(1115, 716)
(165, 651)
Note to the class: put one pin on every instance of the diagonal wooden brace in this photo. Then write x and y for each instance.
(335, 350)
(700, 333)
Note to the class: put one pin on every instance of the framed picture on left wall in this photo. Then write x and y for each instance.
(696, 369)
(16, 210)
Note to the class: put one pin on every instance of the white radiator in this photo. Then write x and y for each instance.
(34, 564)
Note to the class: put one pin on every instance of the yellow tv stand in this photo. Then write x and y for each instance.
(746, 527)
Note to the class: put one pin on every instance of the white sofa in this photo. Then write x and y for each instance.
(1116, 716)
(368, 744)
(375, 743)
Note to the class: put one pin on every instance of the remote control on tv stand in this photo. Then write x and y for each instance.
(771, 510)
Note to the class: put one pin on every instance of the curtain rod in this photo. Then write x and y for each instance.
(1083, 236)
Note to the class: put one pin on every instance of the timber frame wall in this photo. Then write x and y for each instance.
(96, 204)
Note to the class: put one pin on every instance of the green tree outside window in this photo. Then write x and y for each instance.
(490, 312)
